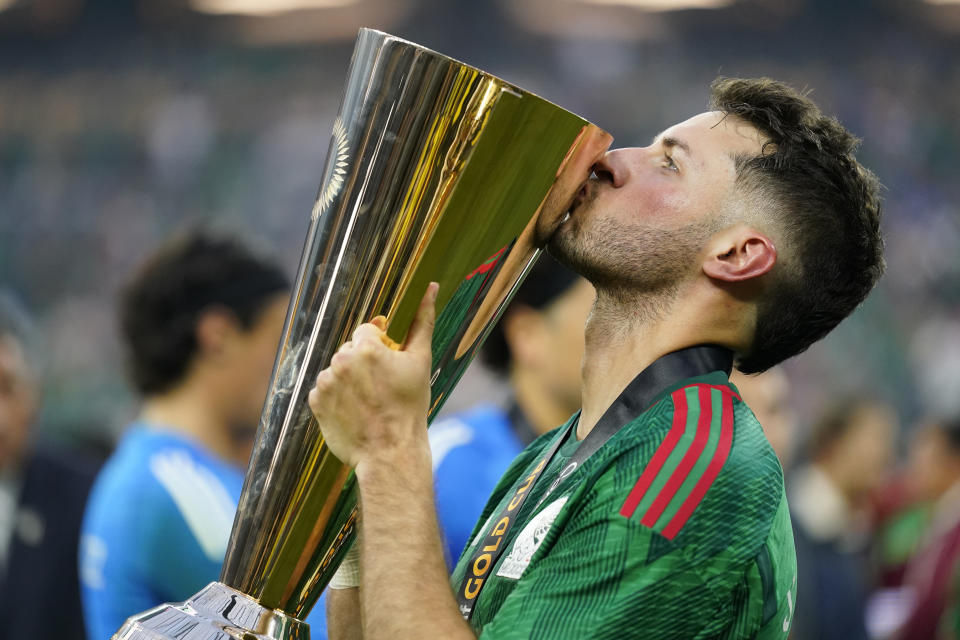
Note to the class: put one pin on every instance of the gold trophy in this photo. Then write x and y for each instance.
(437, 171)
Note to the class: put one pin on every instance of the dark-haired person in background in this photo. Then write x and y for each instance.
(850, 456)
(201, 320)
(42, 493)
(537, 346)
(742, 234)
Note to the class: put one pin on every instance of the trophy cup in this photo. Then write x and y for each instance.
(437, 171)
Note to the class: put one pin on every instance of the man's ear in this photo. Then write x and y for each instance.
(739, 254)
(213, 330)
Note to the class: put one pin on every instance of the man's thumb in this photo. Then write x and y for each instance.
(420, 336)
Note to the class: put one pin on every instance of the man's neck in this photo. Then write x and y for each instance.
(188, 411)
(620, 343)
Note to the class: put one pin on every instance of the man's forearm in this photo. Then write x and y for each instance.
(406, 592)
(371, 404)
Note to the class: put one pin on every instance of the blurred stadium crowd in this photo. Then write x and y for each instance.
(121, 123)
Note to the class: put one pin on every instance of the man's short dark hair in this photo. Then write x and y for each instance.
(827, 206)
(546, 282)
(161, 304)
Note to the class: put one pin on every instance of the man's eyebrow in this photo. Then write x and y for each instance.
(670, 142)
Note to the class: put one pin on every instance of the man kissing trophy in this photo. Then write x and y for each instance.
(437, 172)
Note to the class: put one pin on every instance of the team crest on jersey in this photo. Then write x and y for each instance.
(530, 540)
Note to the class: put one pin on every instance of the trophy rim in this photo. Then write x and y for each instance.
(385, 37)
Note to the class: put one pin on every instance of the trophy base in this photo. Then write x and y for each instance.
(216, 612)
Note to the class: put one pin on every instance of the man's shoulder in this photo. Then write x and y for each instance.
(706, 484)
(126, 472)
(159, 474)
(125, 515)
(695, 463)
(157, 493)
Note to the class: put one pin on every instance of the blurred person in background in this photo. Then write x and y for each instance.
(42, 494)
(902, 512)
(768, 395)
(538, 346)
(850, 455)
(201, 320)
(931, 594)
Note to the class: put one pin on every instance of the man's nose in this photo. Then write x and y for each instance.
(611, 166)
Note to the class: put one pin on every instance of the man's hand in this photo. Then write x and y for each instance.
(372, 401)
(372, 405)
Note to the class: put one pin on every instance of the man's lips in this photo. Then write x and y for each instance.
(582, 194)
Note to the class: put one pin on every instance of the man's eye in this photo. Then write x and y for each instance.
(668, 163)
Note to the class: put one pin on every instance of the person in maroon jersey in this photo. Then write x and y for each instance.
(931, 579)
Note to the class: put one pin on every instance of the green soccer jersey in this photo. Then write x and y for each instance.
(677, 527)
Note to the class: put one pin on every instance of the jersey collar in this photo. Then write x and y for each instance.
(665, 374)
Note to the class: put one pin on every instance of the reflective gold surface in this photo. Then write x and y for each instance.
(436, 171)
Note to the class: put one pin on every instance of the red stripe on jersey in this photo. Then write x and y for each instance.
(660, 455)
(686, 463)
(719, 458)
(718, 387)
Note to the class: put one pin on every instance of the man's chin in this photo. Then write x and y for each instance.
(571, 247)
(556, 246)
(562, 248)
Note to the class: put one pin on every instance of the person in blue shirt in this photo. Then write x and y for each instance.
(201, 321)
(537, 346)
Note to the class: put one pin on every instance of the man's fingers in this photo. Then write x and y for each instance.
(380, 322)
(374, 331)
(338, 362)
(324, 381)
(367, 331)
(420, 336)
(313, 399)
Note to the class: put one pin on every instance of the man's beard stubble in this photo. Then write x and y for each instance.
(636, 266)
